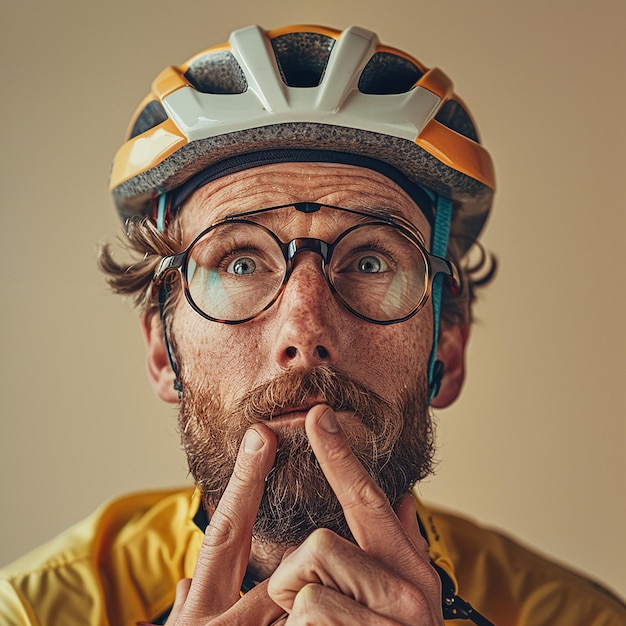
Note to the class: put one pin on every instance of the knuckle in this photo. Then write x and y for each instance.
(243, 472)
(321, 541)
(222, 529)
(363, 491)
(342, 457)
(307, 602)
(230, 514)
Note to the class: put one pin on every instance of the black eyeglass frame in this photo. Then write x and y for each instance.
(434, 264)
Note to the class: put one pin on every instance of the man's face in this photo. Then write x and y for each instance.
(305, 350)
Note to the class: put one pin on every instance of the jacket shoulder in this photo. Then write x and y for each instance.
(513, 584)
(76, 578)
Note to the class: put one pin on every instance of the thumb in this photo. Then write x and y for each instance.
(256, 607)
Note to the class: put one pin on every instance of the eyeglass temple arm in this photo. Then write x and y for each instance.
(167, 264)
(446, 267)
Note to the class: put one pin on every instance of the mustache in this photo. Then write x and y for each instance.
(391, 439)
(322, 384)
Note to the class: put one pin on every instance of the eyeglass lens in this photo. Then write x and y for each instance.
(237, 269)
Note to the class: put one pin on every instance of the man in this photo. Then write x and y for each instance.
(302, 202)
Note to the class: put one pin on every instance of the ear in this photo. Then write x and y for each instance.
(451, 352)
(160, 371)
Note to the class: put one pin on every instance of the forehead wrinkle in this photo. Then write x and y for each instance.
(270, 185)
(289, 223)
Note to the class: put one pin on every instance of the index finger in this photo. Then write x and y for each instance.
(228, 536)
(370, 516)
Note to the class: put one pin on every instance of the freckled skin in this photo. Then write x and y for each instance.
(239, 357)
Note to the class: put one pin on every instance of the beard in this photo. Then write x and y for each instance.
(393, 441)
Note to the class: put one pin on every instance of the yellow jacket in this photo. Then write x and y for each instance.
(121, 565)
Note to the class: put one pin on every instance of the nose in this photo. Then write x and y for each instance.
(307, 317)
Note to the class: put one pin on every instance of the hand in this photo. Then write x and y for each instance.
(212, 596)
(385, 579)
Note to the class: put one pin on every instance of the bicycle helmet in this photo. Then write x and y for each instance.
(307, 89)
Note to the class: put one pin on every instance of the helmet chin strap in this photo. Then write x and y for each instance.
(178, 386)
(439, 247)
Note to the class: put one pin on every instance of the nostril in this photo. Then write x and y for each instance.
(321, 352)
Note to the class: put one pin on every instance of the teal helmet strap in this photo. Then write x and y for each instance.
(161, 211)
(439, 247)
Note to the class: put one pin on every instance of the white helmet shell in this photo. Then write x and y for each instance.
(305, 87)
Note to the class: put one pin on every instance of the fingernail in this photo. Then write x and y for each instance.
(328, 422)
(252, 441)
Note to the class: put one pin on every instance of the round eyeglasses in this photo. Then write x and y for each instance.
(378, 268)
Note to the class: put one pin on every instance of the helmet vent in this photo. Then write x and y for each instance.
(217, 72)
(387, 73)
(152, 115)
(455, 117)
(302, 57)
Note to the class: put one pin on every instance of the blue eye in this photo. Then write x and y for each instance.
(241, 266)
(370, 265)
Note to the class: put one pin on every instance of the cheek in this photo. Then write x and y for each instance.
(215, 355)
(234, 359)
(389, 359)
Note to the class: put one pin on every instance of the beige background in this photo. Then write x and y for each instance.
(536, 443)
